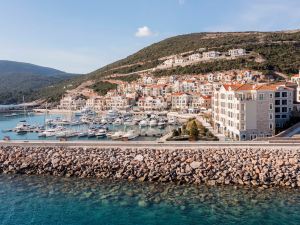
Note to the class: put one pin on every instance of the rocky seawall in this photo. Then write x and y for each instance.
(252, 166)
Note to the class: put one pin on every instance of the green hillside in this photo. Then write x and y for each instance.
(18, 79)
(280, 51)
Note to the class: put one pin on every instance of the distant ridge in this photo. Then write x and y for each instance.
(19, 78)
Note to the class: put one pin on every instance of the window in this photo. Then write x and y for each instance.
(277, 102)
(277, 116)
(284, 94)
(242, 107)
(271, 106)
(271, 126)
(271, 116)
(284, 102)
(277, 109)
(284, 109)
(271, 95)
(283, 116)
(277, 94)
(261, 96)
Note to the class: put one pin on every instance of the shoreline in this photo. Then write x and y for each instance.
(262, 165)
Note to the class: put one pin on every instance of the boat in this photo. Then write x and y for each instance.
(161, 124)
(153, 123)
(103, 121)
(117, 135)
(112, 114)
(136, 120)
(131, 134)
(129, 122)
(83, 134)
(101, 133)
(52, 132)
(109, 134)
(118, 122)
(172, 121)
(22, 127)
(143, 123)
(91, 133)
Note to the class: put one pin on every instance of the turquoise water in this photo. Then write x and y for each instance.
(52, 200)
(38, 119)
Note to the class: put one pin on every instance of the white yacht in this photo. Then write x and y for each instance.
(83, 134)
(153, 123)
(52, 132)
(143, 123)
(118, 122)
(22, 127)
(101, 133)
(91, 133)
(112, 114)
(131, 134)
(172, 121)
(161, 124)
(117, 135)
(129, 122)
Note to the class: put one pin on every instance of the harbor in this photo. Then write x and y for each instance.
(85, 125)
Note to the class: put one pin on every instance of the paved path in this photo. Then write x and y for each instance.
(153, 144)
(210, 128)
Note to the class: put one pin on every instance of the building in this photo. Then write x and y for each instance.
(247, 111)
(237, 52)
(72, 103)
(181, 101)
(195, 57)
(211, 55)
(201, 101)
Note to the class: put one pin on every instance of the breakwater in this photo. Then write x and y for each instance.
(263, 166)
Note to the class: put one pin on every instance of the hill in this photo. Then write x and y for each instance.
(279, 51)
(18, 79)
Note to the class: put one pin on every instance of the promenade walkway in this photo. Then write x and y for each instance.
(210, 128)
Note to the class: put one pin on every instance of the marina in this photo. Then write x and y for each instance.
(84, 125)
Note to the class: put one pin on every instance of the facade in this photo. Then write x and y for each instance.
(237, 52)
(72, 103)
(247, 111)
(195, 57)
(211, 55)
(181, 101)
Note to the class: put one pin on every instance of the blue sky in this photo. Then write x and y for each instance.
(83, 35)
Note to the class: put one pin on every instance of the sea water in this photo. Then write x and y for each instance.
(8, 123)
(55, 200)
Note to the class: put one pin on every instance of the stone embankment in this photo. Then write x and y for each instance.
(252, 166)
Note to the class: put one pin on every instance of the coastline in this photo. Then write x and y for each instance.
(257, 164)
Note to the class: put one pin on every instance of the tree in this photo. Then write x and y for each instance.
(175, 133)
(194, 132)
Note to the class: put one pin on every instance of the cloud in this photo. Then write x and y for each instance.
(144, 32)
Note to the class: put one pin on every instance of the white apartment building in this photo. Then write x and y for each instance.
(181, 101)
(71, 103)
(150, 103)
(247, 111)
(206, 88)
(237, 52)
(96, 103)
(195, 57)
(211, 55)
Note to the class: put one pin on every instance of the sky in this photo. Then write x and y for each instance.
(80, 36)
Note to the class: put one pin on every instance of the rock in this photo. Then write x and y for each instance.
(139, 158)
(142, 203)
(195, 164)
